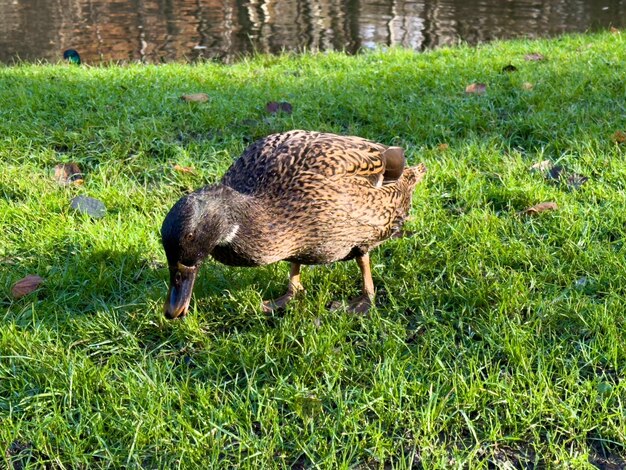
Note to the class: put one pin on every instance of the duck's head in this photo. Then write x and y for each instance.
(194, 226)
(72, 56)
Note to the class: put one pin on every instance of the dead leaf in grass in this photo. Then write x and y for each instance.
(88, 205)
(195, 97)
(443, 147)
(527, 86)
(286, 107)
(274, 107)
(556, 172)
(476, 88)
(541, 207)
(26, 286)
(68, 173)
(534, 57)
(543, 165)
(619, 137)
(576, 181)
(509, 68)
(614, 30)
(183, 169)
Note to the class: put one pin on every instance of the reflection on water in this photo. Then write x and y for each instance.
(165, 30)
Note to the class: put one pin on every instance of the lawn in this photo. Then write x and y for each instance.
(498, 336)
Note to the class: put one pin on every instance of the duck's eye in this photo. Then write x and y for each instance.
(189, 236)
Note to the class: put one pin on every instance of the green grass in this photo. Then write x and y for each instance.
(498, 339)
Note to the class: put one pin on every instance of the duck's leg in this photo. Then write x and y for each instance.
(363, 303)
(295, 287)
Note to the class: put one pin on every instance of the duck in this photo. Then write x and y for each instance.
(304, 197)
(72, 56)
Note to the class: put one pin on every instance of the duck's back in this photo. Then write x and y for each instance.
(331, 196)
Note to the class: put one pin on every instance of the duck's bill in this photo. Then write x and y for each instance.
(182, 279)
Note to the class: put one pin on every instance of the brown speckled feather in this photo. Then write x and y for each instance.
(320, 197)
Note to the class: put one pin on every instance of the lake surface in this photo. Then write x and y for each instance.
(183, 30)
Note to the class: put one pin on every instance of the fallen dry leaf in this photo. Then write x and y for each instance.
(183, 169)
(195, 97)
(619, 137)
(527, 86)
(68, 173)
(614, 30)
(443, 147)
(534, 56)
(509, 68)
(576, 181)
(274, 107)
(541, 207)
(476, 88)
(26, 285)
(556, 172)
(89, 205)
(543, 165)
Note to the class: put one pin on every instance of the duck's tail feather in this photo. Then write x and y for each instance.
(415, 174)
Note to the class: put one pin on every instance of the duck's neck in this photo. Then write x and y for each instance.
(227, 207)
(236, 213)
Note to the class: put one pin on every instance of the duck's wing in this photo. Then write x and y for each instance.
(279, 162)
(267, 162)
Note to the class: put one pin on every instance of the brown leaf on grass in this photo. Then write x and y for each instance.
(614, 30)
(286, 107)
(26, 285)
(89, 205)
(527, 86)
(476, 88)
(534, 57)
(274, 107)
(576, 181)
(543, 165)
(509, 68)
(183, 169)
(539, 208)
(195, 97)
(556, 172)
(619, 137)
(443, 147)
(68, 173)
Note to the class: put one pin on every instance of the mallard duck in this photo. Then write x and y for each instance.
(299, 196)
(71, 56)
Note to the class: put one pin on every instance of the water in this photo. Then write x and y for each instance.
(168, 30)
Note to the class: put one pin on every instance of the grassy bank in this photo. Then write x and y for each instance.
(498, 337)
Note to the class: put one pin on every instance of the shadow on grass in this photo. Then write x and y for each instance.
(129, 287)
(79, 282)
